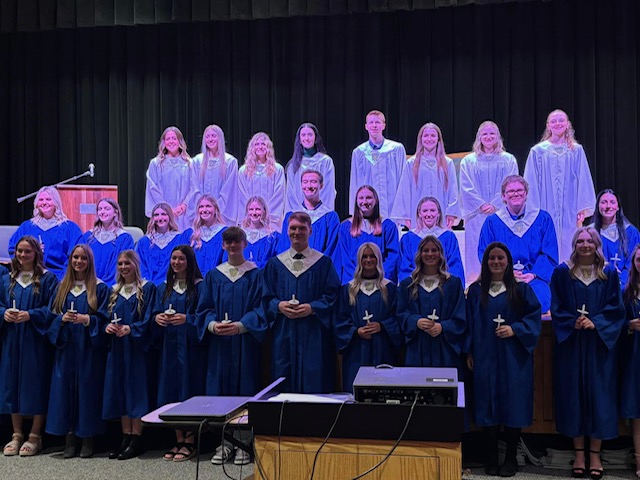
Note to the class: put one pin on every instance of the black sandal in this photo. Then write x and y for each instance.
(596, 473)
(170, 454)
(579, 472)
(191, 448)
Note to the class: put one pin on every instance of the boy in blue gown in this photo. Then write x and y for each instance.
(324, 221)
(529, 235)
(299, 292)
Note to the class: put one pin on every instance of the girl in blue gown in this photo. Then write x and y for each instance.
(429, 222)
(181, 358)
(78, 318)
(126, 387)
(55, 232)
(107, 239)
(261, 237)
(366, 225)
(588, 315)
(206, 235)
(367, 331)
(619, 237)
(154, 249)
(431, 310)
(500, 354)
(25, 353)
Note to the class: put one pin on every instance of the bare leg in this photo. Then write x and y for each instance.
(579, 461)
(635, 424)
(595, 463)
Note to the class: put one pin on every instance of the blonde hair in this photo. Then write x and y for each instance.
(478, 148)
(58, 214)
(120, 281)
(117, 221)
(376, 113)
(569, 136)
(417, 274)
(251, 160)
(90, 281)
(599, 261)
(196, 236)
(354, 285)
(265, 220)
(441, 156)
(182, 145)
(419, 222)
(220, 154)
(165, 207)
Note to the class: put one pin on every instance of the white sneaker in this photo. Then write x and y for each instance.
(223, 454)
(242, 457)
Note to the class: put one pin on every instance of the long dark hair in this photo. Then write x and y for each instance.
(509, 278)
(193, 273)
(632, 289)
(620, 221)
(38, 265)
(298, 149)
(375, 220)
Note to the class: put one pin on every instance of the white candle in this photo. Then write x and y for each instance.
(170, 310)
(294, 300)
(73, 308)
(226, 318)
(14, 304)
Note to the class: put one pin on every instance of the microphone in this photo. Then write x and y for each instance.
(92, 169)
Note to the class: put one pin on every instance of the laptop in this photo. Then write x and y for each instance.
(212, 408)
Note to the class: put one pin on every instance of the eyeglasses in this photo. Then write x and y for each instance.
(513, 193)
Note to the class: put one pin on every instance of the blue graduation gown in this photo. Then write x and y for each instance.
(77, 381)
(181, 357)
(383, 347)
(233, 363)
(630, 356)
(126, 391)
(25, 352)
(348, 249)
(610, 249)
(324, 235)
(503, 367)
(58, 241)
(585, 361)
(154, 261)
(209, 255)
(302, 348)
(260, 251)
(106, 254)
(409, 247)
(537, 250)
(423, 350)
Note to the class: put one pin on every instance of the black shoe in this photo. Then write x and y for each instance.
(133, 449)
(87, 448)
(596, 473)
(509, 469)
(70, 446)
(492, 470)
(579, 472)
(126, 439)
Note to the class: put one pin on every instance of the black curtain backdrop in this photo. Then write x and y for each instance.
(33, 15)
(104, 95)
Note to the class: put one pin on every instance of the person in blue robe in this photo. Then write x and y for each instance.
(232, 325)
(107, 239)
(79, 316)
(261, 236)
(429, 222)
(366, 225)
(529, 235)
(154, 249)
(503, 316)
(324, 221)
(367, 331)
(206, 235)
(126, 388)
(25, 352)
(431, 310)
(299, 292)
(55, 232)
(181, 356)
(619, 236)
(630, 354)
(588, 316)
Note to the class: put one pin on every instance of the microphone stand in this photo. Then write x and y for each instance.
(88, 173)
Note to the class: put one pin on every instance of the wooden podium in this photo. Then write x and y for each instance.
(79, 202)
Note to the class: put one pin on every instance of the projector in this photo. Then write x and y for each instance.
(400, 385)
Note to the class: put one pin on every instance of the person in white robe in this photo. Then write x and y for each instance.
(171, 178)
(378, 162)
(481, 175)
(560, 181)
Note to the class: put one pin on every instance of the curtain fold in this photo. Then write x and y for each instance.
(104, 95)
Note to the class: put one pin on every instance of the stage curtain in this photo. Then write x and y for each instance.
(34, 15)
(104, 95)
